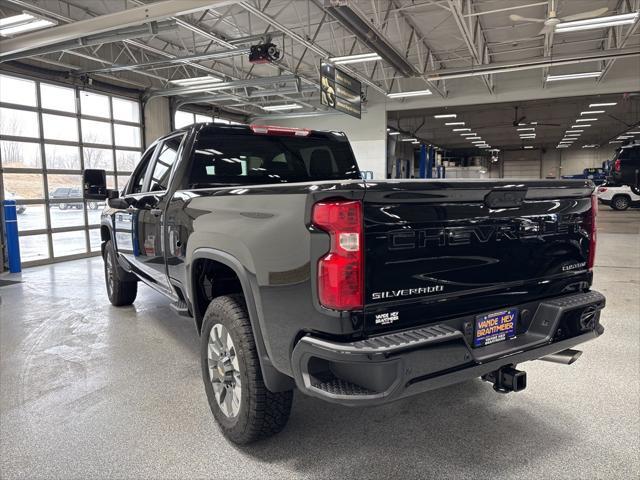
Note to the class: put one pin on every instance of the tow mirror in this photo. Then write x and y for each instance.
(94, 185)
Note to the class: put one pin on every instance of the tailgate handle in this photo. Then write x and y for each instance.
(505, 198)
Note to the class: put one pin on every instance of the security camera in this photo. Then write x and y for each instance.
(264, 53)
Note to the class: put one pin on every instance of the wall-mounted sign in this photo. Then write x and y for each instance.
(339, 90)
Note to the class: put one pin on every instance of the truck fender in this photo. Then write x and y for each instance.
(275, 380)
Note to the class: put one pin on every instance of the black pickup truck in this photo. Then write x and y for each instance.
(298, 273)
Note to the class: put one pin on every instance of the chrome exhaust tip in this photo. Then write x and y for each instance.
(565, 357)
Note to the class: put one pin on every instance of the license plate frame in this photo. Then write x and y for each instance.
(495, 327)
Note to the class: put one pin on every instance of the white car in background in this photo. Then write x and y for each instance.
(618, 198)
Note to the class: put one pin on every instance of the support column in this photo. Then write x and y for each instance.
(423, 161)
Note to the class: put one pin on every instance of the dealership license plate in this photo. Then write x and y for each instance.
(495, 327)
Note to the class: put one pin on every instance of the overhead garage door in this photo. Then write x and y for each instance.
(522, 165)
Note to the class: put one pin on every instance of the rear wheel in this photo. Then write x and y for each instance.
(242, 405)
(120, 292)
(620, 202)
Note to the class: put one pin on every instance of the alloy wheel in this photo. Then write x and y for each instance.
(108, 265)
(224, 370)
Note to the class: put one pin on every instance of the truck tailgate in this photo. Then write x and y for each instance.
(434, 249)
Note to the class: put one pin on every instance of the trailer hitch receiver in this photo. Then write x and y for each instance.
(507, 379)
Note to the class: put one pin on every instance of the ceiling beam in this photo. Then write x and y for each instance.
(252, 82)
(106, 23)
(169, 61)
(530, 64)
(138, 31)
(625, 38)
(472, 34)
(431, 58)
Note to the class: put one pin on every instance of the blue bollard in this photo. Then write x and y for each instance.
(11, 227)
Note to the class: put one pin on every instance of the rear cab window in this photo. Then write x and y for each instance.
(240, 157)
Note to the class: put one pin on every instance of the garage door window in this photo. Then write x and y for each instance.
(49, 133)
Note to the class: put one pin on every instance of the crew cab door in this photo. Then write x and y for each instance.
(139, 228)
(149, 213)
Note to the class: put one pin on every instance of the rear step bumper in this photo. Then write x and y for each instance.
(388, 367)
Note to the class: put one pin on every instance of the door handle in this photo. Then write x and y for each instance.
(156, 212)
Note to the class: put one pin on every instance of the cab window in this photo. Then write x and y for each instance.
(136, 184)
(167, 156)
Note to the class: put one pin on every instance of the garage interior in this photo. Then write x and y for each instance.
(451, 90)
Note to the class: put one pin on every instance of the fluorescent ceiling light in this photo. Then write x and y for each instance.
(479, 141)
(534, 123)
(468, 134)
(461, 129)
(610, 104)
(415, 93)
(573, 76)
(526, 129)
(575, 131)
(276, 108)
(583, 125)
(193, 81)
(527, 135)
(445, 115)
(562, 146)
(528, 147)
(599, 22)
(615, 141)
(361, 57)
(454, 123)
(409, 140)
(624, 137)
(589, 146)
(633, 133)
(474, 138)
(416, 142)
(25, 22)
(586, 119)
(394, 133)
(592, 112)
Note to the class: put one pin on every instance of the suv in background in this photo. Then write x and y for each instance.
(626, 168)
(596, 175)
(618, 197)
(74, 195)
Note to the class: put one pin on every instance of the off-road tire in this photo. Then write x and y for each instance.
(262, 413)
(121, 292)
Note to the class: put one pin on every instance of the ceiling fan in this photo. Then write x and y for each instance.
(519, 121)
(553, 20)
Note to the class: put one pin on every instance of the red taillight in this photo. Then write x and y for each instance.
(284, 131)
(340, 272)
(592, 232)
(616, 165)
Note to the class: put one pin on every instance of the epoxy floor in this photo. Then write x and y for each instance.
(92, 391)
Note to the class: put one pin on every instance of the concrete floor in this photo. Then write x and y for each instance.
(92, 391)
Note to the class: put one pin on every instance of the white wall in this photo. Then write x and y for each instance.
(157, 119)
(574, 161)
(368, 135)
(553, 162)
